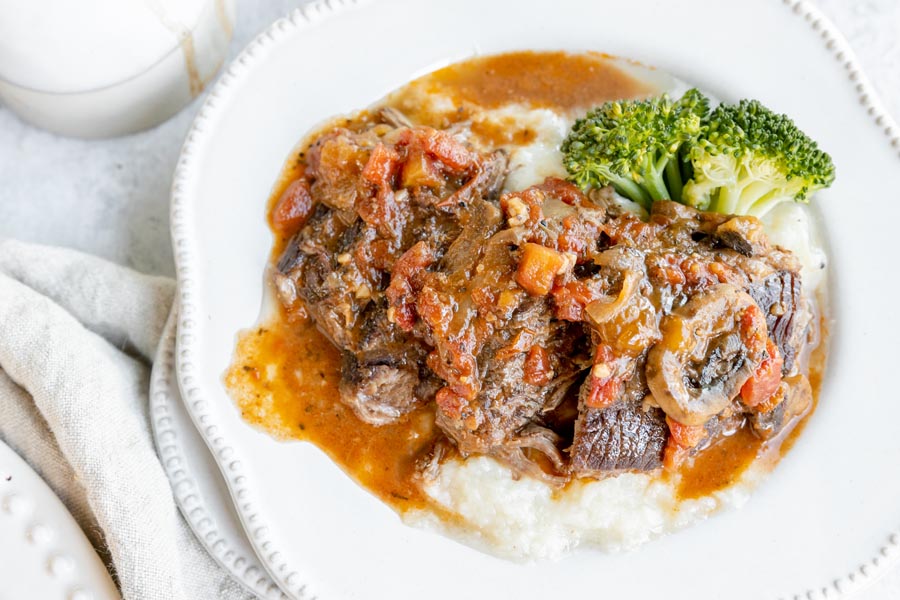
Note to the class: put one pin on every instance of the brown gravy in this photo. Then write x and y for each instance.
(551, 79)
(285, 373)
(285, 380)
(722, 464)
(558, 80)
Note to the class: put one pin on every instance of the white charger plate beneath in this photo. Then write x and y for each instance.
(197, 485)
(43, 552)
(825, 522)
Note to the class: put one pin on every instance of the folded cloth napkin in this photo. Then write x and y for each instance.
(77, 335)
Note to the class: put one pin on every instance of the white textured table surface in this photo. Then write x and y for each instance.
(111, 197)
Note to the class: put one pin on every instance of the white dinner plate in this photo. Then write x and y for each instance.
(43, 552)
(824, 523)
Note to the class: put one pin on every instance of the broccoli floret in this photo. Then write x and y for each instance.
(634, 146)
(751, 159)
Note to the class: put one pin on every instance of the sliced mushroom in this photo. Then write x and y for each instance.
(709, 348)
(628, 262)
(627, 320)
(797, 397)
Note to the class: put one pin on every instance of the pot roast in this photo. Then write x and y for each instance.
(555, 331)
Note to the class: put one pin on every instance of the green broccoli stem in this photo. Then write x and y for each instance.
(656, 186)
(652, 178)
(598, 175)
(628, 188)
(673, 178)
(728, 199)
(761, 207)
(753, 197)
(686, 168)
(752, 193)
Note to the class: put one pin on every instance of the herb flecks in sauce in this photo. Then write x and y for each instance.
(285, 375)
(286, 381)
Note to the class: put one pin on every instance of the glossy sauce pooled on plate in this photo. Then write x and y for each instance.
(367, 363)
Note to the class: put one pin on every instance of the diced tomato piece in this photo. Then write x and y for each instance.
(571, 298)
(418, 257)
(382, 210)
(564, 191)
(676, 270)
(604, 391)
(754, 334)
(605, 386)
(578, 236)
(381, 166)
(673, 455)
(686, 436)
(293, 208)
(766, 380)
(485, 299)
(405, 283)
(450, 402)
(773, 401)
(404, 315)
(538, 370)
(441, 146)
(566, 307)
(538, 267)
(434, 310)
(631, 230)
(604, 354)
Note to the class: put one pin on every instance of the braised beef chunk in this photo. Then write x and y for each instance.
(378, 392)
(721, 291)
(555, 331)
(482, 219)
(779, 298)
(486, 182)
(520, 374)
(380, 375)
(290, 257)
(623, 437)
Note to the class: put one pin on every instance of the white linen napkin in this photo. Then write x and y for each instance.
(77, 335)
